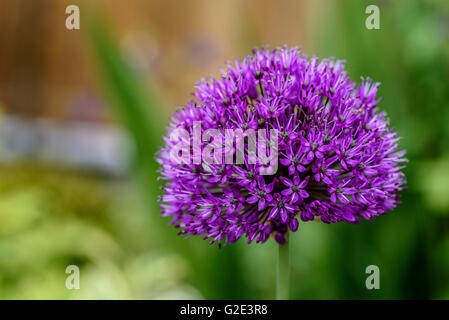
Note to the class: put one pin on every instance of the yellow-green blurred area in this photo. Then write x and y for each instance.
(83, 112)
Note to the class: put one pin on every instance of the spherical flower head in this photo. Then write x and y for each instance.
(335, 157)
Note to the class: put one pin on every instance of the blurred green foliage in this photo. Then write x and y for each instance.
(54, 218)
(112, 229)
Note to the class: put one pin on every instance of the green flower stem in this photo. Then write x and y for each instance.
(283, 272)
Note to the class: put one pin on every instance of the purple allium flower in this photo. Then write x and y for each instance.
(338, 159)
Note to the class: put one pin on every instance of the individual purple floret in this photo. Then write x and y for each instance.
(338, 159)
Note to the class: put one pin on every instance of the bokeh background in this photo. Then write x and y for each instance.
(82, 113)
